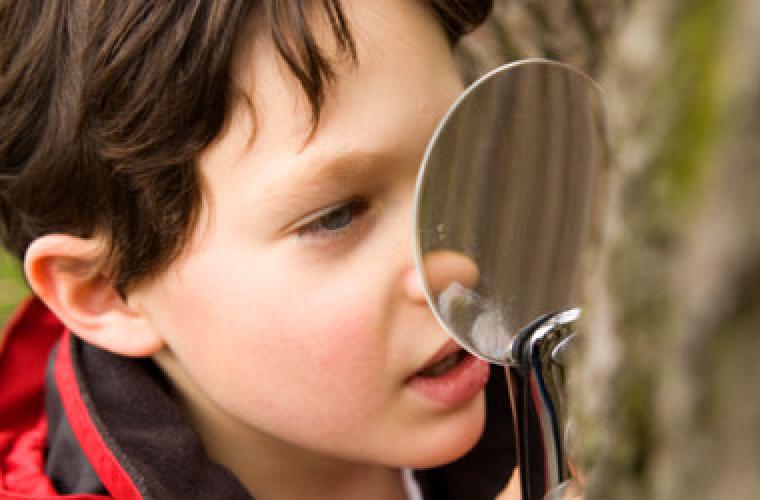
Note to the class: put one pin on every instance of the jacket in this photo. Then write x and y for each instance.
(81, 423)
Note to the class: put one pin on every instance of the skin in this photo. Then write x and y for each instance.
(289, 341)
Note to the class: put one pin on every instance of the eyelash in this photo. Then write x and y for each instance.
(348, 212)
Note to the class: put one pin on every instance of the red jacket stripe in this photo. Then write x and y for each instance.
(113, 476)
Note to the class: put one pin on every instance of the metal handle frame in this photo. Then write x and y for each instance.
(536, 380)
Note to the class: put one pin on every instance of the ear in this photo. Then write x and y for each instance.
(64, 271)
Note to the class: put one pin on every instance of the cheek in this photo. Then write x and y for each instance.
(266, 348)
(336, 340)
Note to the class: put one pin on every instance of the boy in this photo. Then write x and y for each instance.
(214, 197)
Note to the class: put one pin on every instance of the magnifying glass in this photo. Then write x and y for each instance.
(503, 210)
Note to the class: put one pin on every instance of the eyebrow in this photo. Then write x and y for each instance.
(317, 180)
(344, 168)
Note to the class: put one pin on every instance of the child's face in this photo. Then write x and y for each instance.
(297, 309)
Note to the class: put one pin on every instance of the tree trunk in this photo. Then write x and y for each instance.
(661, 392)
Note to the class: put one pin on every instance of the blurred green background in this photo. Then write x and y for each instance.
(12, 286)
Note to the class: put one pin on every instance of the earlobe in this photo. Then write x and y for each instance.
(64, 272)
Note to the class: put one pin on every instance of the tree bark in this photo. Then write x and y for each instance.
(663, 406)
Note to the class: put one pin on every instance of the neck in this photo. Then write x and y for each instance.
(271, 468)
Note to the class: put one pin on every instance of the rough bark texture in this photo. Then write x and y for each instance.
(664, 406)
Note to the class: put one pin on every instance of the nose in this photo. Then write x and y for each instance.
(440, 269)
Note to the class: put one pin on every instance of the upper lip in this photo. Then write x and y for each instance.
(447, 349)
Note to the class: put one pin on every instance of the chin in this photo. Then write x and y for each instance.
(447, 439)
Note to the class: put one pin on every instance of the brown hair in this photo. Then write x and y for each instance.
(104, 107)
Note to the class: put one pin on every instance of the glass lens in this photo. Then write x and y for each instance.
(504, 200)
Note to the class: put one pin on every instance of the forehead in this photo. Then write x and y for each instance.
(391, 99)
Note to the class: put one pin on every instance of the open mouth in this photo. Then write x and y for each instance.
(443, 366)
(452, 377)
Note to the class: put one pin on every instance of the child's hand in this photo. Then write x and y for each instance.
(512, 492)
(568, 490)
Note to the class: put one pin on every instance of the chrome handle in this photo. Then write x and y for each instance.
(536, 378)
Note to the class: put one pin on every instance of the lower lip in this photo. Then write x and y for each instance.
(457, 386)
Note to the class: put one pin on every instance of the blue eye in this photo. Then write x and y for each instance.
(337, 218)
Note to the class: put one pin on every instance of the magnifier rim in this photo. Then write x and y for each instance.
(423, 168)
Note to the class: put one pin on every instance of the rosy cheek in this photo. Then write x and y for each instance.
(348, 339)
(341, 342)
(310, 340)
(338, 331)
